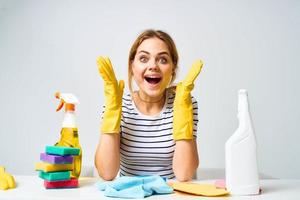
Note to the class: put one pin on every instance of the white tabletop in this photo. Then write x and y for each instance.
(31, 187)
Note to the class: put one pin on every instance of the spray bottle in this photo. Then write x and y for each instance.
(69, 131)
(240, 153)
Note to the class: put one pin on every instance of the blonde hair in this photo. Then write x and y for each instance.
(151, 33)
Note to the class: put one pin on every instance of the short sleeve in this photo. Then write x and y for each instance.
(195, 117)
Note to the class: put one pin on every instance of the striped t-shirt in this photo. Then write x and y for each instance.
(147, 145)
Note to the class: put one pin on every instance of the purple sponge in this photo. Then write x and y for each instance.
(55, 159)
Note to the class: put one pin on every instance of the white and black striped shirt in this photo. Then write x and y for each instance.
(147, 145)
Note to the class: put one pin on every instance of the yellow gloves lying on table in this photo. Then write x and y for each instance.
(183, 107)
(7, 181)
(113, 92)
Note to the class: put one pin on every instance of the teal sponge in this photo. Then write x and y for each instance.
(62, 151)
(55, 176)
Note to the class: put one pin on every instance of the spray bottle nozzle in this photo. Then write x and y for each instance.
(66, 98)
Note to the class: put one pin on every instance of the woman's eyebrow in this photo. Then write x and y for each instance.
(142, 51)
(160, 53)
(164, 52)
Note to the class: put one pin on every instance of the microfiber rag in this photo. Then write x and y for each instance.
(134, 187)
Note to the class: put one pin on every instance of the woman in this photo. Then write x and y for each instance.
(151, 130)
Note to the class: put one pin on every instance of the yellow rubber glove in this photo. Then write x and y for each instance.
(113, 97)
(183, 107)
(7, 181)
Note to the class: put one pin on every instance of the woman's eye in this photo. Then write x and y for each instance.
(163, 60)
(143, 59)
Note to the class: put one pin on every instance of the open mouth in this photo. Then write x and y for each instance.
(152, 80)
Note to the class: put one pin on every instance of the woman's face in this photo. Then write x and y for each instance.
(152, 67)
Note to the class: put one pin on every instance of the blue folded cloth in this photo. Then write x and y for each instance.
(134, 187)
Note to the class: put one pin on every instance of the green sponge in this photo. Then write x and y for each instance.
(55, 176)
(62, 151)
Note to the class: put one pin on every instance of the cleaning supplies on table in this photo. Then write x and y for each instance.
(240, 153)
(134, 187)
(7, 181)
(56, 167)
(69, 132)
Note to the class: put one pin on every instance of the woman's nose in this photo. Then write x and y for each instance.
(153, 66)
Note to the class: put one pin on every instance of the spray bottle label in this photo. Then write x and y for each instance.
(69, 138)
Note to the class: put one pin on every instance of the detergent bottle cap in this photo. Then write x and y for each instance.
(67, 99)
(243, 91)
(243, 100)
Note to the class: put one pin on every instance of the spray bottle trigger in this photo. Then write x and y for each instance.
(61, 104)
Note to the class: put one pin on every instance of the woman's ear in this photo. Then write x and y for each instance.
(174, 69)
(174, 73)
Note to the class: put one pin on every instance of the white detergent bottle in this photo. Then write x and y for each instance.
(240, 153)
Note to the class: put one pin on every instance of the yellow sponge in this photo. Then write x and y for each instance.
(48, 167)
(199, 189)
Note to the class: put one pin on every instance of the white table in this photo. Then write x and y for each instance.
(31, 187)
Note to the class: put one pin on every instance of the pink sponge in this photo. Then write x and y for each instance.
(72, 183)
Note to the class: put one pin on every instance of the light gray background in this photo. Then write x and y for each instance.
(47, 46)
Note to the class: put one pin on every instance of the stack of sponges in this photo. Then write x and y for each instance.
(56, 166)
